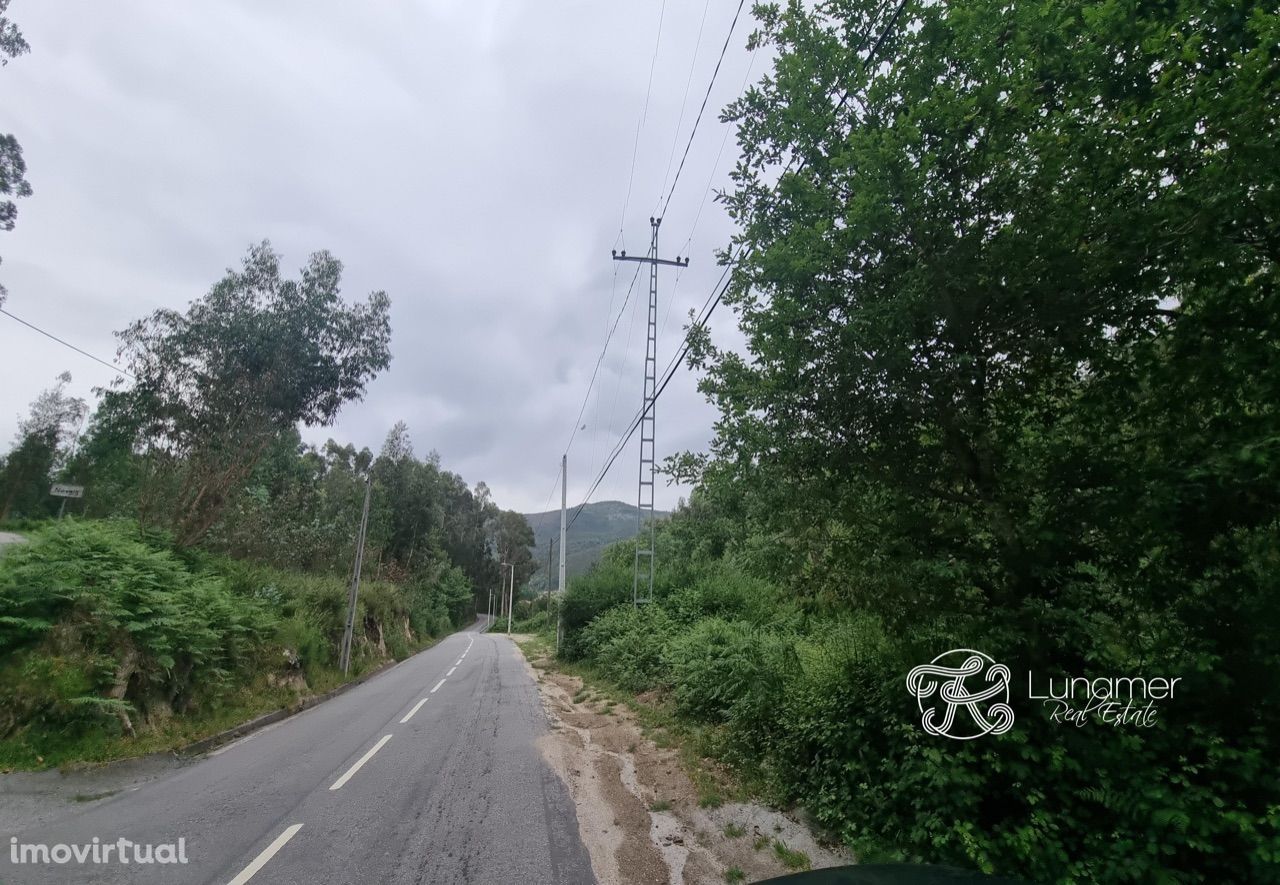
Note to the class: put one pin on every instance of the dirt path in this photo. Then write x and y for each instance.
(638, 808)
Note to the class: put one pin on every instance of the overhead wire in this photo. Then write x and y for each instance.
(714, 299)
(701, 110)
(644, 114)
(684, 100)
(51, 336)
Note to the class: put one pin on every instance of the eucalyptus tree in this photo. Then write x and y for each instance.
(13, 169)
(255, 357)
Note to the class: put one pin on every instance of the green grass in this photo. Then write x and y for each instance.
(660, 805)
(760, 842)
(18, 751)
(792, 860)
(733, 830)
(734, 874)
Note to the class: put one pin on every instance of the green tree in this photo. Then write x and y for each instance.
(513, 543)
(251, 359)
(44, 441)
(973, 230)
(1007, 275)
(13, 169)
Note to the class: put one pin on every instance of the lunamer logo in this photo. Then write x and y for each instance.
(947, 706)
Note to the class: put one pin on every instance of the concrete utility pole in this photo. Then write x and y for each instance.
(642, 585)
(345, 654)
(551, 542)
(511, 597)
(564, 534)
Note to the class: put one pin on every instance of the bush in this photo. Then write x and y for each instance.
(100, 623)
(722, 589)
(714, 665)
(1046, 801)
(95, 624)
(608, 584)
(628, 645)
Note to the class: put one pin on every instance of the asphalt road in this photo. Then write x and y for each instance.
(426, 773)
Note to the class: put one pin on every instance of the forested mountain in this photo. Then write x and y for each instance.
(598, 525)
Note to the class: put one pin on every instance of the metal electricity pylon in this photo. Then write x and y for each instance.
(646, 562)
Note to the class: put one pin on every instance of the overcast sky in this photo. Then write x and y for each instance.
(471, 158)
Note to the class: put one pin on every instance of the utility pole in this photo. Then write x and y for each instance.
(642, 584)
(564, 536)
(345, 654)
(511, 598)
(551, 542)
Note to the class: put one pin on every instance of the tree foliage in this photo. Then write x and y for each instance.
(45, 439)
(1007, 277)
(257, 355)
(13, 169)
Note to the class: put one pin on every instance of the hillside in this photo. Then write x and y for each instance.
(598, 526)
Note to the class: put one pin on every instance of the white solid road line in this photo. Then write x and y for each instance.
(438, 684)
(416, 708)
(337, 785)
(450, 673)
(267, 853)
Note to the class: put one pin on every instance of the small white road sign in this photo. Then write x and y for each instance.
(62, 490)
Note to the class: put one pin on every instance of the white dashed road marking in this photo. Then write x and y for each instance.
(416, 708)
(267, 853)
(337, 785)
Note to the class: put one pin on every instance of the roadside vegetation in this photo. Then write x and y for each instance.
(1012, 314)
(203, 577)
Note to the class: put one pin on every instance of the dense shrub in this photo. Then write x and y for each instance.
(1047, 801)
(818, 710)
(721, 588)
(608, 584)
(714, 665)
(628, 643)
(104, 627)
(95, 624)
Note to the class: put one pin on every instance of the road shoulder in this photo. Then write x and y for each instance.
(641, 815)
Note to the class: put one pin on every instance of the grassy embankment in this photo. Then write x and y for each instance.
(114, 644)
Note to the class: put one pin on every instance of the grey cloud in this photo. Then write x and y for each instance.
(470, 158)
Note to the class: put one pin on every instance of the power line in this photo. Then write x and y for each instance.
(709, 306)
(713, 300)
(53, 337)
(684, 157)
(684, 99)
(724, 139)
(644, 113)
(599, 360)
(703, 108)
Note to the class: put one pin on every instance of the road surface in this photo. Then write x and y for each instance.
(426, 773)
